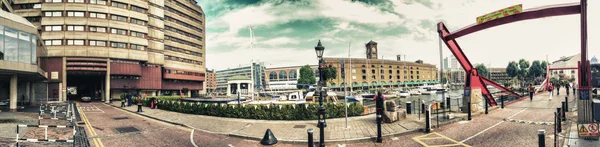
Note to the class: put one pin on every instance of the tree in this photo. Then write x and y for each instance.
(544, 66)
(523, 68)
(307, 76)
(512, 69)
(535, 69)
(482, 70)
(329, 73)
(445, 80)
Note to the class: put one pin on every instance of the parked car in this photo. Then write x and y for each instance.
(86, 99)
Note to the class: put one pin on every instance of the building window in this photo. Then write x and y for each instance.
(53, 42)
(138, 34)
(382, 77)
(98, 29)
(97, 15)
(118, 45)
(373, 77)
(364, 77)
(138, 47)
(137, 21)
(138, 9)
(118, 31)
(99, 2)
(52, 28)
(373, 71)
(363, 71)
(74, 42)
(75, 1)
(397, 77)
(118, 18)
(120, 5)
(53, 1)
(75, 14)
(97, 43)
(53, 14)
(75, 28)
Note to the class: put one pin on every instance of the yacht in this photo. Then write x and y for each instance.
(414, 92)
(403, 94)
(430, 91)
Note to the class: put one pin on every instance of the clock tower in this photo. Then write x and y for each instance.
(371, 50)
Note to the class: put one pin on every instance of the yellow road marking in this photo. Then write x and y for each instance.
(432, 138)
(420, 139)
(97, 141)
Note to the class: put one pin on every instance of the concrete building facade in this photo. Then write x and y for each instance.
(211, 81)
(22, 70)
(254, 71)
(102, 48)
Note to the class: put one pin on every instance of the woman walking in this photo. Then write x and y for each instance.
(531, 91)
(550, 90)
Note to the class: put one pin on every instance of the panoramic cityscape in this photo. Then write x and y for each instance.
(246, 73)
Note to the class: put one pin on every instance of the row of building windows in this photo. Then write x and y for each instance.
(26, 6)
(186, 7)
(113, 44)
(174, 39)
(51, 28)
(17, 46)
(183, 23)
(126, 77)
(180, 72)
(173, 58)
(175, 49)
(94, 15)
(124, 61)
(183, 32)
(167, 8)
(102, 2)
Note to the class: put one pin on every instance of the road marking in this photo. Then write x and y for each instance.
(492, 126)
(97, 141)
(436, 135)
(98, 108)
(230, 145)
(192, 138)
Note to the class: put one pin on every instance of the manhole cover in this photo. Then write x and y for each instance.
(127, 129)
(120, 118)
(300, 126)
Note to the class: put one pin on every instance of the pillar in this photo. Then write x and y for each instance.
(107, 83)
(228, 93)
(27, 92)
(189, 93)
(13, 93)
(239, 85)
(32, 97)
(63, 87)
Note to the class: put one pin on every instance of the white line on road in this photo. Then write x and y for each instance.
(98, 108)
(491, 127)
(192, 138)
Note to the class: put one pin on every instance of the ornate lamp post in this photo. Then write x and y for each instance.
(321, 124)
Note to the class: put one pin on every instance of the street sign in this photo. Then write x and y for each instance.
(584, 95)
(516, 9)
(588, 130)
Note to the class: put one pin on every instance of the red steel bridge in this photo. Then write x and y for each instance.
(476, 81)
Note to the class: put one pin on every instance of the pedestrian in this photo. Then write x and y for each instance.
(550, 90)
(567, 87)
(128, 96)
(557, 88)
(531, 91)
(573, 86)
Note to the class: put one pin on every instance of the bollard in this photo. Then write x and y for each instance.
(408, 107)
(379, 139)
(448, 103)
(422, 107)
(564, 111)
(502, 101)
(486, 106)
(541, 138)
(269, 138)
(567, 105)
(558, 121)
(310, 138)
(427, 121)
(139, 107)
(469, 109)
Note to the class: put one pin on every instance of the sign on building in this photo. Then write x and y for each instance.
(588, 130)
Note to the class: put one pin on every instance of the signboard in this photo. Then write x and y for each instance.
(516, 9)
(588, 130)
(54, 75)
(584, 95)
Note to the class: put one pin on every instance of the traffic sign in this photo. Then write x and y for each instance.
(588, 130)
(584, 95)
(516, 9)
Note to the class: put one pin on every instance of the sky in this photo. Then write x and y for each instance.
(286, 31)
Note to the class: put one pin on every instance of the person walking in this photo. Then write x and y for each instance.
(573, 86)
(567, 87)
(550, 90)
(531, 91)
(557, 85)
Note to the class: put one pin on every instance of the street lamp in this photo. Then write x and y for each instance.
(321, 124)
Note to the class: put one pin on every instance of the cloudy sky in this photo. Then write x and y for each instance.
(286, 31)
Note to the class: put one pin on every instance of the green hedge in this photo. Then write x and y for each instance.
(287, 111)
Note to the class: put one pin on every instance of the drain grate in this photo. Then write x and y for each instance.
(126, 129)
(300, 126)
(120, 118)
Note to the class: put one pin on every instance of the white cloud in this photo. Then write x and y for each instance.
(355, 12)
(279, 41)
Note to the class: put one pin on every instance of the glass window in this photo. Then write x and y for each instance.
(74, 42)
(53, 14)
(97, 15)
(97, 43)
(120, 5)
(75, 28)
(137, 47)
(52, 28)
(138, 9)
(117, 17)
(75, 14)
(138, 34)
(75, 1)
(10, 44)
(100, 2)
(24, 47)
(34, 49)
(118, 45)
(137, 21)
(97, 29)
(53, 42)
(118, 31)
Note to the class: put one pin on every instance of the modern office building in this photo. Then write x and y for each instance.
(257, 74)
(450, 63)
(22, 71)
(286, 78)
(211, 81)
(102, 48)
(373, 72)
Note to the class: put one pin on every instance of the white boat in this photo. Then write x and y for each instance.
(430, 91)
(414, 92)
(403, 93)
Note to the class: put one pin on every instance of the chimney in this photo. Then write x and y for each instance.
(399, 57)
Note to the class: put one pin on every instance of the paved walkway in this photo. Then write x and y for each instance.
(360, 128)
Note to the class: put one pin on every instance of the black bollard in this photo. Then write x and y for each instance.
(408, 107)
(427, 121)
(567, 105)
(122, 104)
(269, 138)
(558, 121)
(541, 138)
(448, 103)
(564, 111)
(502, 101)
(469, 109)
(379, 110)
(422, 107)
(310, 138)
(486, 106)
(379, 139)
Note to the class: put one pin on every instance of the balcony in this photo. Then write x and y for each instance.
(183, 77)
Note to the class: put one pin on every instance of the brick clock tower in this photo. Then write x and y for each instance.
(371, 50)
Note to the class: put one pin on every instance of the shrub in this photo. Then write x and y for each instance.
(267, 112)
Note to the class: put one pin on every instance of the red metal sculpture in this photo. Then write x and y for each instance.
(476, 81)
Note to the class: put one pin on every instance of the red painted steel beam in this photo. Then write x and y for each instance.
(488, 81)
(454, 48)
(533, 13)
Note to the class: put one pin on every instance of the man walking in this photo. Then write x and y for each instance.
(531, 91)
(550, 90)
(557, 88)
(567, 87)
